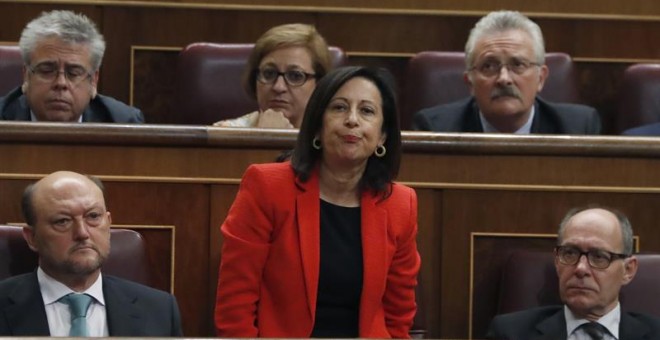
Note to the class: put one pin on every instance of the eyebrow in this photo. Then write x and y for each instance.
(362, 101)
(287, 67)
(55, 63)
(572, 245)
(515, 57)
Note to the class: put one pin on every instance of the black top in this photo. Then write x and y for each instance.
(340, 273)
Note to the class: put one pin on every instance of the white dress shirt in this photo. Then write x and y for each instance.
(34, 118)
(524, 130)
(610, 321)
(59, 317)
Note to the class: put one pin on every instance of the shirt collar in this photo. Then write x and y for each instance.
(53, 290)
(525, 129)
(34, 118)
(610, 320)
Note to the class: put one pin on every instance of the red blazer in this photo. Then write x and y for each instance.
(271, 253)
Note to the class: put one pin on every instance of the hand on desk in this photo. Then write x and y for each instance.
(274, 120)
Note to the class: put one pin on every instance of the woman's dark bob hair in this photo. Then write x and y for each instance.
(380, 171)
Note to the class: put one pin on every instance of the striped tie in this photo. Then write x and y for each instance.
(595, 330)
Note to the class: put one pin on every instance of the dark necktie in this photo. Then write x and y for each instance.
(78, 304)
(595, 330)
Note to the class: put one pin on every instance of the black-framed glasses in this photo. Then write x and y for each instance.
(491, 68)
(597, 258)
(48, 72)
(269, 75)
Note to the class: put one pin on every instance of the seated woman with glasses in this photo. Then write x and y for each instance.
(281, 74)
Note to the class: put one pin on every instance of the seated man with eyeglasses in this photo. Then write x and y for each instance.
(593, 260)
(62, 52)
(281, 74)
(505, 70)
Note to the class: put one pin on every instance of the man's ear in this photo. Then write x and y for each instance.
(468, 81)
(95, 82)
(543, 75)
(25, 85)
(630, 269)
(28, 235)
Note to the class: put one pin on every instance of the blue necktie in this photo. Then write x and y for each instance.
(78, 304)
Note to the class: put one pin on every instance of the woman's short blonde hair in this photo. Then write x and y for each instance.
(288, 35)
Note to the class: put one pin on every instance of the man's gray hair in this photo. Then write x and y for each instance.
(67, 26)
(502, 21)
(624, 224)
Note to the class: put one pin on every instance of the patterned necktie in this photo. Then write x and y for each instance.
(78, 304)
(595, 330)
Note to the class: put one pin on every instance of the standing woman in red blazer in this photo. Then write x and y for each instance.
(324, 245)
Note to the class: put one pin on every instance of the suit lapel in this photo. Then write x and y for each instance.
(631, 329)
(471, 122)
(545, 120)
(88, 115)
(23, 110)
(538, 124)
(27, 315)
(374, 251)
(553, 327)
(308, 219)
(124, 318)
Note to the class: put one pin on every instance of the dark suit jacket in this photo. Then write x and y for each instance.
(132, 309)
(548, 323)
(644, 130)
(269, 273)
(101, 109)
(549, 118)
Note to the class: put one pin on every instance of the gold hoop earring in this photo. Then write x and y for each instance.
(316, 143)
(380, 151)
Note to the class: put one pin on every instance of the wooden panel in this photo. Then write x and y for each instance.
(429, 208)
(187, 177)
(222, 196)
(615, 33)
(610, 8)
(394, 27)
(154, 83)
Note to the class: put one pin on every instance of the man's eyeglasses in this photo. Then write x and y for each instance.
(491, 68)
(597, 258)
(292, 77)
(47, 72)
